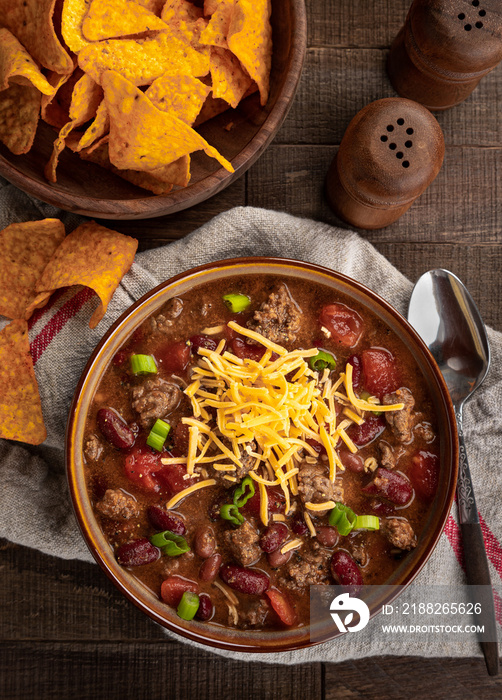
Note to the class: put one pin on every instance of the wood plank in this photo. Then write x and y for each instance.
(408, 678)
(458, 207)
(354, 22)
(145, 672)
(337, 83)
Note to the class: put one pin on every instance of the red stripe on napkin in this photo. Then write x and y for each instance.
(58, 322)
(452, 532)
(38, 313)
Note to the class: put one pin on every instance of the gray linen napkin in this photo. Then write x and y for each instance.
(34, 505)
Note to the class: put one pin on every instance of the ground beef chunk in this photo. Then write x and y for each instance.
(314, 486)
(399, 533)
(359, 553)
(401, 422)
(116, 504)
(425, 432)
(93, 448)
(163, 322)
(278, 318)
(387, 458)
(240, 472)
(154, 399)
(243, 544)
(254, 615)
(307, 567)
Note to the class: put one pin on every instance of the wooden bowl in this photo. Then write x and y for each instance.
(88, 189)
(145, 599)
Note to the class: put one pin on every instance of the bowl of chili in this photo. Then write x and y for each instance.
(248, 429)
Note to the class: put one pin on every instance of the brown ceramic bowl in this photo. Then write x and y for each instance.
(146, 600)
(87, 189)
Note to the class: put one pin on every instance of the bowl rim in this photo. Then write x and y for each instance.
(452, 452)
(152, 205)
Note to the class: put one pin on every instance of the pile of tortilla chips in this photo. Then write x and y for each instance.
(125, 81)
(36, 258)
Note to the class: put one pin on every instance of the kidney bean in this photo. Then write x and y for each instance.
(327, 536)
(317, 446)
(202, 341)
(206, 609)
(345, 571)
(357, 370)
(277, 558)
(137, 553)
(354, 463)
(172, 589)
(273, 537)
(209, 569)
(115, 429)
(204, 541)
(391, 485)
(163, 520)
(299, 526)
(363, 434)
(244, 580)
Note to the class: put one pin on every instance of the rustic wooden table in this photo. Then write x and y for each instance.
(66, 632)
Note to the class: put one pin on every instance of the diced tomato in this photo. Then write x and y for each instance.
(282, 607)
(344, 324)
(202, 341)
(276, 501)
(119, 358)
(171, 477)
(174, 357)
(172, 589)
(357, 370)
(363, 434)
(381, 375)
(424, 474)
(141, 465)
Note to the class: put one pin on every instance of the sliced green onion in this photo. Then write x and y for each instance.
(237, 302)
(230, 512)
(367, 522)
(158, 434)
(343, 518)
(189, 604)
(244, 492)
(171, 544)
(321, 361)
(143, 364)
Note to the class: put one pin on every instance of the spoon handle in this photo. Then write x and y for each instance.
(476, 562)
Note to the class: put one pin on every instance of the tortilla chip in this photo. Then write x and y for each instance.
(154, 6)
(31, 22)
(93, 256)
(86, 98)
(157, 181)
(230, 80)
(19, 114)
(181, 95)
(215, 34)
(180, 11)
(250, 39)
(25, 250)
(99, 127)
(72, 17)
(17, 66)
(210, 6)
(141, 61)
(142, 137)
(55, 108)
(107, 19)
(20, 406)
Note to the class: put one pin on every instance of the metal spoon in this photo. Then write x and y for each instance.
(443, 313)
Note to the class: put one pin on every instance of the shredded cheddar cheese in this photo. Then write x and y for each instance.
(293, 544)
(186, 492)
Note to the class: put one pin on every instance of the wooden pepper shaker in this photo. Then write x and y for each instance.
(391, 152)
(444, 49)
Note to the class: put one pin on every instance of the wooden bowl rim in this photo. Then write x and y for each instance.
(160, 205)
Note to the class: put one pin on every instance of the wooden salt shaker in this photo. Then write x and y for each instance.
(391, 152)
(444, 49)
